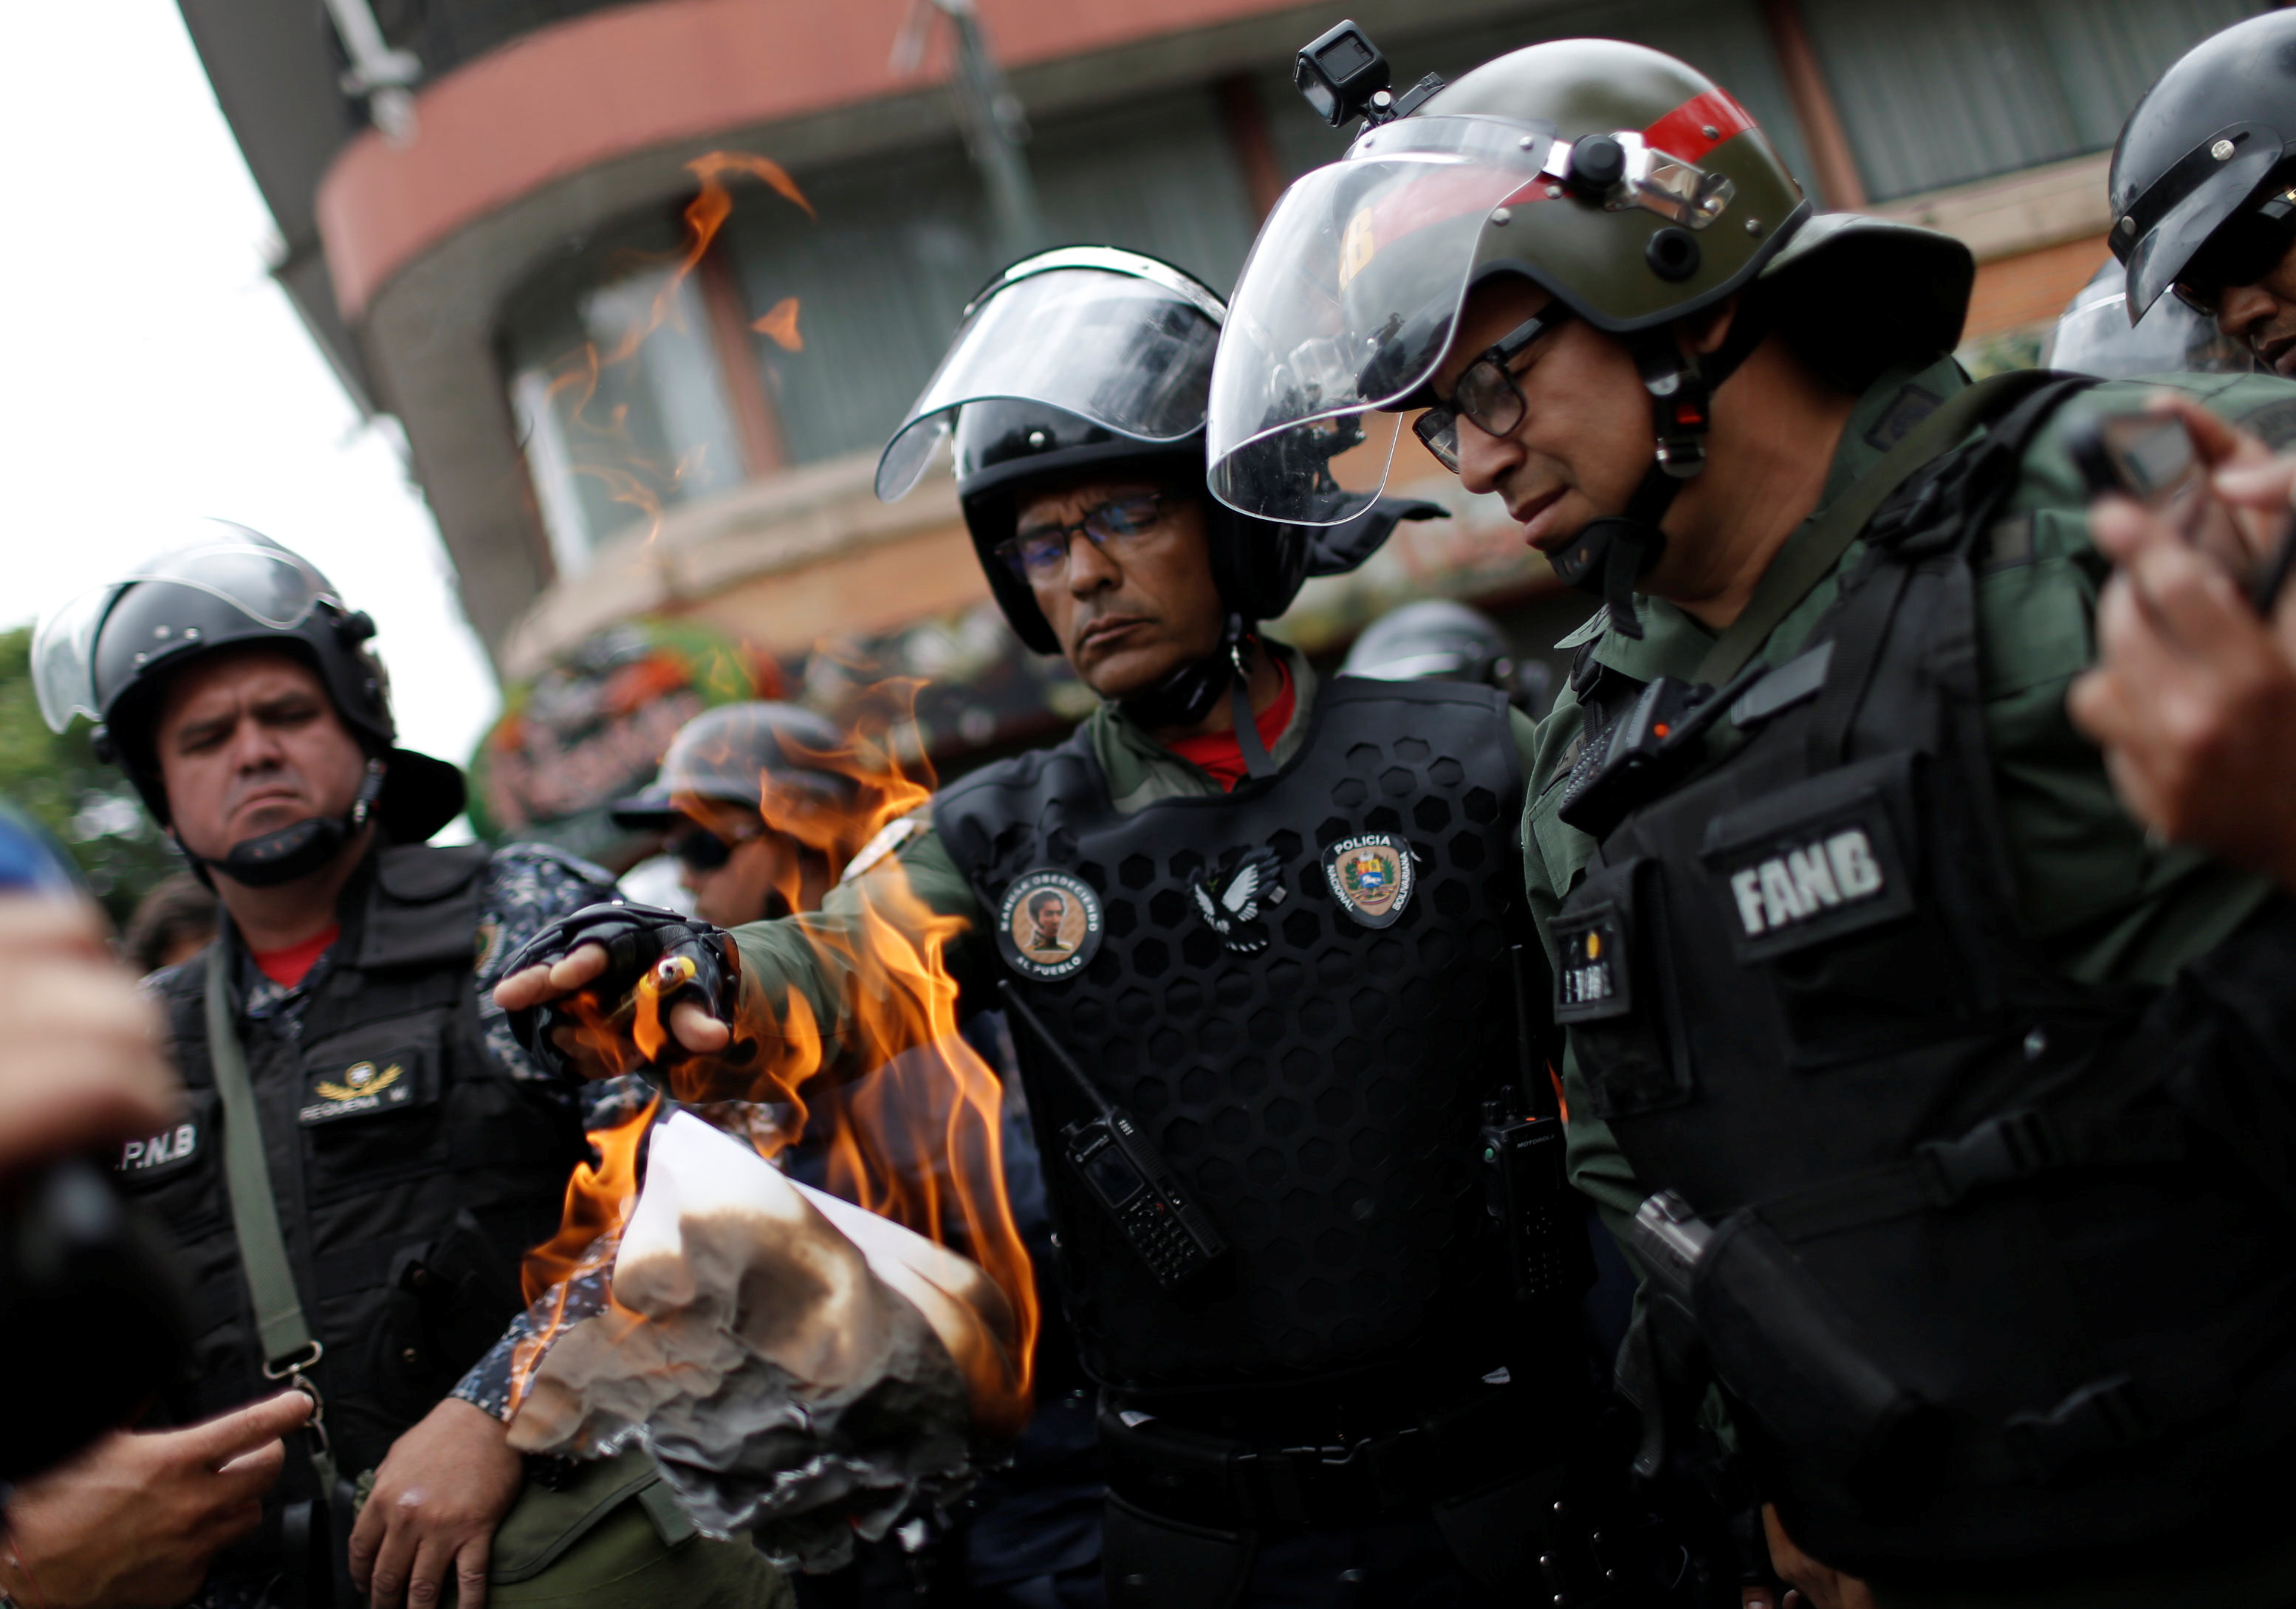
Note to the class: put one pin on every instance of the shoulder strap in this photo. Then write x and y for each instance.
(1808, 563)
(289, 1347)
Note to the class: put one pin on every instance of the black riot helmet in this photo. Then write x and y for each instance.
(2200, 181)
(1440, 639)
(107, 654)
(1090, 359)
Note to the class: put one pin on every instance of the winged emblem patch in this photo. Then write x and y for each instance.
(362, 1079)
(1230, 902)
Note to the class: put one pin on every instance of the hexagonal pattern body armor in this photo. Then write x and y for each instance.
(1316, 1081)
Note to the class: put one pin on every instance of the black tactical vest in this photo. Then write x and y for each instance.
(411, 1172)
(1317, 1080)
(1979, 1293)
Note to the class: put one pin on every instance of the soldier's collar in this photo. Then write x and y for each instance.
(1672, 643)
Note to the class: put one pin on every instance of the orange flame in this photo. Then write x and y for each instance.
(780, 324)
(598, 1201)
(638, 480)
(912, 1117)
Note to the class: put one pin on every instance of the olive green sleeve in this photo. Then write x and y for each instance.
(825, 956)
(2108, 903)
(1553, 856)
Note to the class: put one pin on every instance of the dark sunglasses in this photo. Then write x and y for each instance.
(700, 850)
(2245, 248)
(1041, 554)
(1485, 391)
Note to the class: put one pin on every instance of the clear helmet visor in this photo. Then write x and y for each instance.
(1121, 340)
(1346, 305)
(272, 586)
(2094, 337)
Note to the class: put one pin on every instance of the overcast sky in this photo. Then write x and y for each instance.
(155, 373)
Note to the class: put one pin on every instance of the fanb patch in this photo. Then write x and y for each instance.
(383, 1083)
(1049, 924)
(1371, 876)
(1834, 873)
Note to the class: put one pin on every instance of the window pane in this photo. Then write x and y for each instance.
(904, 242)
(615, 384)
(1956, 90)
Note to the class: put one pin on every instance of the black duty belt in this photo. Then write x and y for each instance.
(1202, 1479)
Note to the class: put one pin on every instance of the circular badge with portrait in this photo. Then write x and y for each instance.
(1369, 875)
(1049, 924)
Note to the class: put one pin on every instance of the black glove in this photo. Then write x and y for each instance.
(689, 959)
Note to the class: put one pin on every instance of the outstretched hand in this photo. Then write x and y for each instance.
(691, 1026)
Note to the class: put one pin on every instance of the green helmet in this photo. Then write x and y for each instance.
(1625, 183)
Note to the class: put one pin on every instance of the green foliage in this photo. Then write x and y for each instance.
(2017, 349)
(86, 803)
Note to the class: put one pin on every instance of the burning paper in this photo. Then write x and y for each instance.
(803, 1370)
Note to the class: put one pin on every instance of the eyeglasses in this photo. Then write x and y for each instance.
(1041, 554)
(2245, 248)
(1485, 391)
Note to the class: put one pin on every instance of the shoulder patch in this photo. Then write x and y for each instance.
(488, 947)
(889, 837)
(513, 859)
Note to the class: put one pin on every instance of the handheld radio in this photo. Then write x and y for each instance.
(1526, 1188)
(1128, 1176)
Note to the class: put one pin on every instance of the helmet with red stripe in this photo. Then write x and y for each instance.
(1627, 184)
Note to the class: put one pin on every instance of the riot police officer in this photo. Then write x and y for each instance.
(367, 1152)
(749, 801)
(1253, 934)
(1859, 961)
(2203, 188)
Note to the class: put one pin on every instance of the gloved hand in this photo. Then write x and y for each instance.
(615, 989)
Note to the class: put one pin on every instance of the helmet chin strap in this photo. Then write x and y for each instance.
(1612, 553)
(298, 849)
(1187, 694)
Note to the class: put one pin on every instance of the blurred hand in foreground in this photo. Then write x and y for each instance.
(2194, 698)
(134, 1521)
(81, 1066)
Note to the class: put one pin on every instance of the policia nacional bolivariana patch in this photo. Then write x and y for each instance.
(1048, 925)
(1370, 877)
